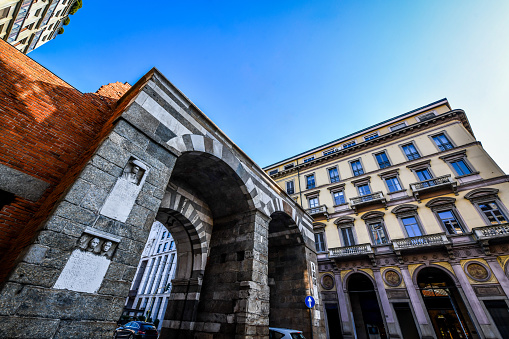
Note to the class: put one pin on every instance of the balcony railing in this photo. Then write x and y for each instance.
(492, 231)
(319, 210)
(433, 184)
(340, 252)
(420, 242)
(377, 197)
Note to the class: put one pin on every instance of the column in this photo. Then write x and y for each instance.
(344, 308)
(499, 274)
(489, 330)
(392, 329)
(427, 331)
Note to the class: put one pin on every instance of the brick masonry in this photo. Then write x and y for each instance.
(218, 204)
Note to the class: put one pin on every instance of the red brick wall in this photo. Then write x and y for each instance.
(46, 128)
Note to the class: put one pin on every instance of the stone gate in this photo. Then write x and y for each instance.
(246, 254)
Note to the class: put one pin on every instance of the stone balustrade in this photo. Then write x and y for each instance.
(322, 209)
(433, 184)
(420, 242)
(492, 231)
(339, 252)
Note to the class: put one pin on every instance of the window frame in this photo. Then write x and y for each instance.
(376, 217)
(293, 186)
(371, 136)
(398, 181)
(288, 166)
(443, 204)
(483, 196)
(337, 171)
(349, 144)
(386, 155)
(319, 228)
(389, 174)
(419, 153)
(446, 135)
(426, 164)
(314, 180)
(308, 159)
(334, 200)
(8, 8)
(346, 222)
(404, 123)
(351, 167)
(457, 156)
(425, 116)
(335, 189)
(312, 197)
(406, 211)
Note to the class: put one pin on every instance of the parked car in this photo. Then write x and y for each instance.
(284, 333)
(136, 330)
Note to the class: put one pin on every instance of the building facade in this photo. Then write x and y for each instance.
(29, 24)
(151, 288)
(410, 222)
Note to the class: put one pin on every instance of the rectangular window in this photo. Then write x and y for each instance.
(411, 226)
(357, 168)
(165, 246)
(378, 233)
(364, 189)
(382, 159)
(330, 151)
(493, 213)
(319, 242)
(313, 202)
(333, 174)
(442, 142)
(159, 248)
(349, 144)
(426, 116)
(290, 189)
(339, 197)
(424, 174)
(171, 245)
(169, 234)
(38, 12)
(393, 184)
(273, 171)
(310, 181)
(450, 222)
(371, 136)
(31, 25)
(309, 159)
(410, 152)
(397, 126)
(289, 166)
(162, 237)
(347, 234)
(461, 167)
(58, 13)
(4, 12)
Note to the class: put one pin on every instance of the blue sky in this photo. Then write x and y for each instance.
(281, 77)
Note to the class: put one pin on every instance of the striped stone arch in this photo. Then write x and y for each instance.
(189, 220)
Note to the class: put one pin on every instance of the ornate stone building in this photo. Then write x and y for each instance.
(410, 222)
(83, 178)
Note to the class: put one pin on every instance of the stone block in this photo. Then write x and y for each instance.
(35, 254)
(85, 329)
(126, 130)
(98, 177)
(34, 275)
(33, 328)
(115, 288)
(10, 298)
(107, 166)
(148, 201)
(75, 213)
(113, 152)
(77, 191)
(138, 216)
(94, 198)
(58, 240)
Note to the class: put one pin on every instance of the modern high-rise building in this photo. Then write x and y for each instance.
(152, 284)
(28, 24)
(410, 222)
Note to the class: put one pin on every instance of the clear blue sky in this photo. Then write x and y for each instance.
(281, 77)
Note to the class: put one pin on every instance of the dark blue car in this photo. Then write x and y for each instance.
(136, 330)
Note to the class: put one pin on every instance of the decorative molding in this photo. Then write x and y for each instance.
(373, 215)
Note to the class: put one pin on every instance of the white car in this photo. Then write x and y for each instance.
(284, 333)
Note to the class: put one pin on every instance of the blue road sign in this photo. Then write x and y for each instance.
(310, 301)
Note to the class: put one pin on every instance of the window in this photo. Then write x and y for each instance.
(371, 136)
(164, 233)
(424, 174)
(461, 167)
(313, 202)
(310, 181)
(338, 197)
(49, 28)
(309, 159)
(44, 39)
(289, 166)
(393, 184)
(349, 144)
(23, 41)
(330, 151)
(4, 12)
(493, 213)
(410, 151)
(382, 159)
(38, 12)
(273, 171)
(378, 233)
(320, 242)
(165, 246)
(364, 189)
(450, 222)
(397, 126)
(31, 25)
(442, 142)
(357, 167)
(290, 189)
(411, 226)
(426, 116)
(347, 236)
(1, 28)
(159, 248)
(58, 13)
(333, 174)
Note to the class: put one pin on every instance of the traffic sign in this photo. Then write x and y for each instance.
(310, 301)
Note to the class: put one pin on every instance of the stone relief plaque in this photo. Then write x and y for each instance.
(392, 278)
(120, 201)
(88, 263)
(327, 281)
(477, 271)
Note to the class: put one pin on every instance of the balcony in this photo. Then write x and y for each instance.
(350, 251)
(493, 232)
(368, 199)
(433, 184)
(318, 211)
(423, 241)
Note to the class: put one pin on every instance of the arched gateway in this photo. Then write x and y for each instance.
(246, 254)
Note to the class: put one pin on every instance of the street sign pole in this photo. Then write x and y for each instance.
(310, 303)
